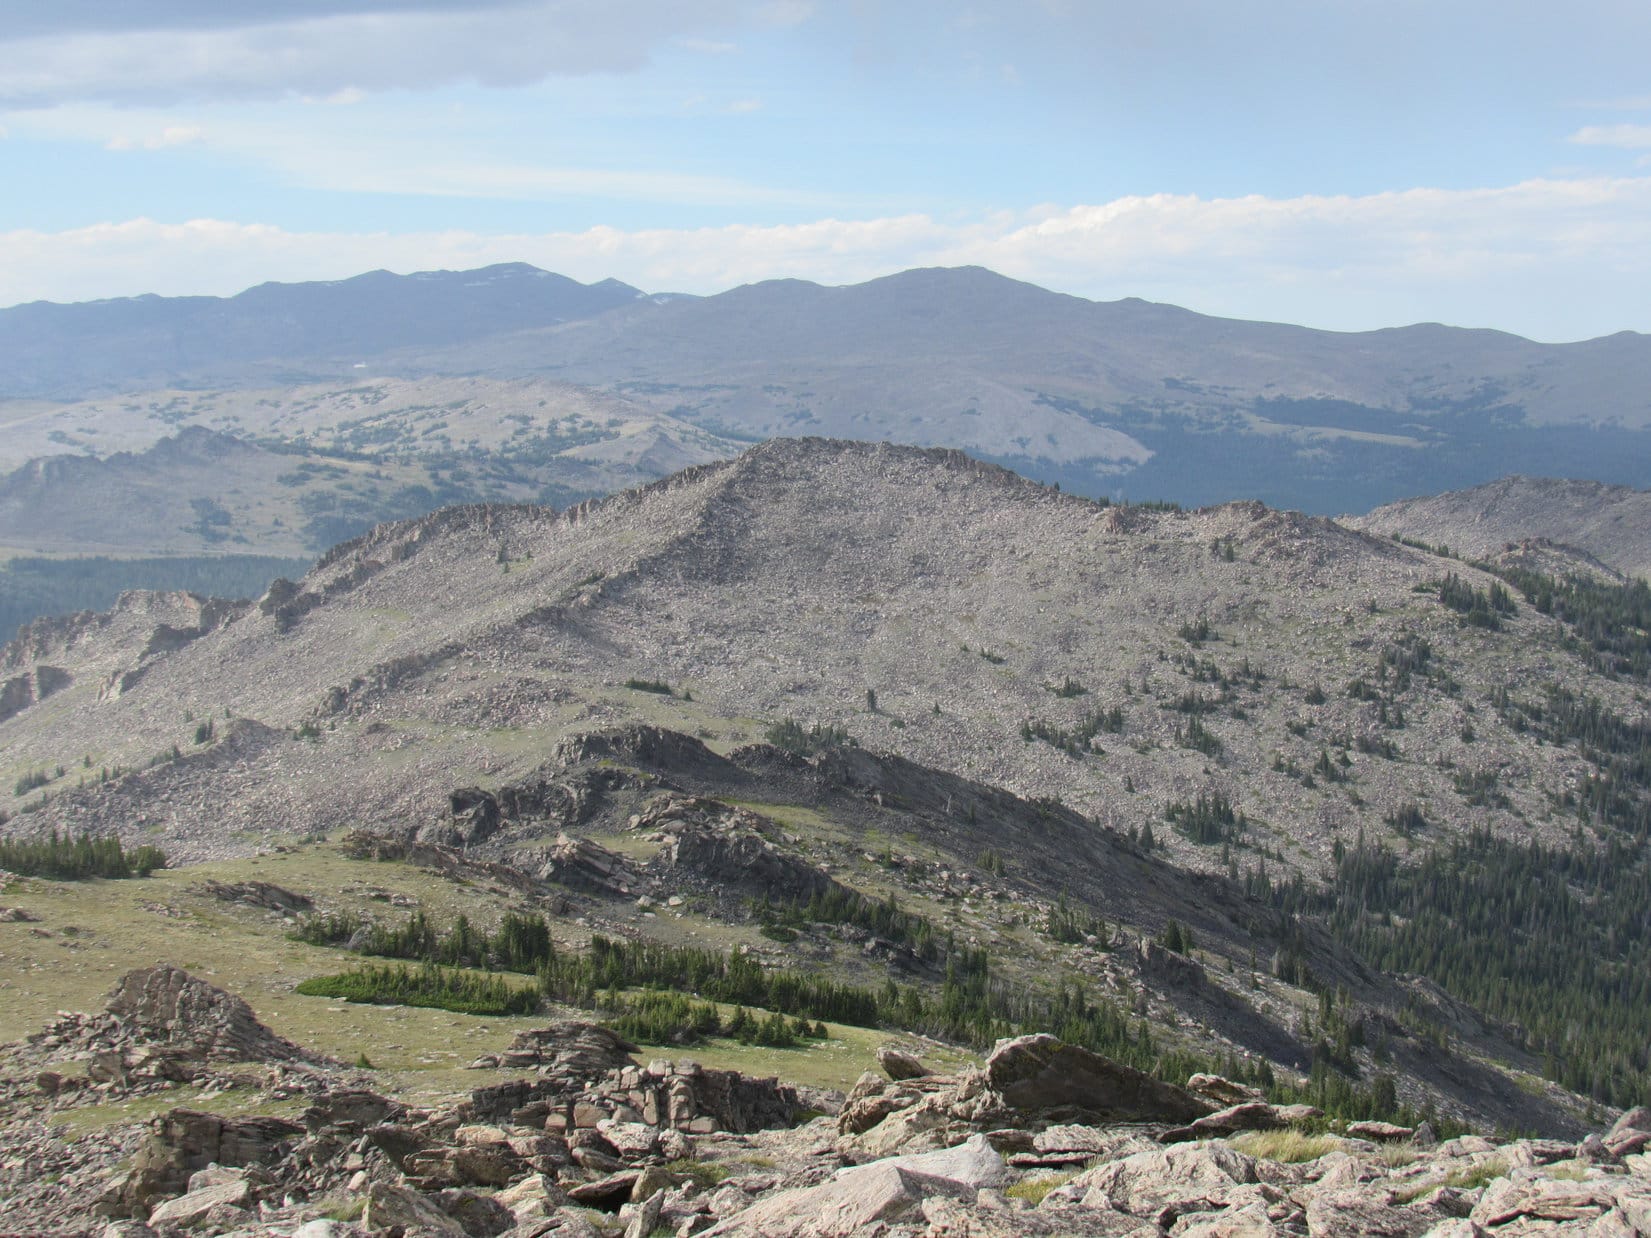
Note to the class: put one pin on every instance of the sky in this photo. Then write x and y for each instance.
(1346, 164)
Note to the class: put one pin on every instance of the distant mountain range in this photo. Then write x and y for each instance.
(1125, 398)
(276, 333)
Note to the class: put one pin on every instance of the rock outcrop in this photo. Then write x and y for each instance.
(1028, 1082)
(987, 1152)
(163, 1023)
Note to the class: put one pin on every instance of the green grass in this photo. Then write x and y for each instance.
(1286, 1147)
(83, 1120)
(346, 1210)
(1470, 1178)
(421, 1054)
(703, 1174)
(1482, 1174)
(1033, 1190)
(1398, 1155)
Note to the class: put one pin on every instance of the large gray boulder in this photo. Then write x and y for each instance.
(1041, 1074)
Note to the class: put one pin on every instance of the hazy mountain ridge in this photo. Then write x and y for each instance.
(273, 330)
(1122, 397)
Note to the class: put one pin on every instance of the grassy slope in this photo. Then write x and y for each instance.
(89, 933)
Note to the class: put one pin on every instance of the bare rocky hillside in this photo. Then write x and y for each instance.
(932, 606)
(290, 471)
(1609, 524)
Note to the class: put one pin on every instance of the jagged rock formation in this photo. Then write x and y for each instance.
(162, 1022)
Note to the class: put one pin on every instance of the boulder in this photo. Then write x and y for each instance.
(480, 1216)
(185, 1141)
(188, 1211)
(974, 1163)
(652, 1181)
(397, 1208)
(466, 1165)
(1368, 1210)
(1255, 1115)
(1379, 1132)
(1183, 1178)
(1251, 1221)
(646, 1216)
(1223, 1091)
(1635, 1119)
(608, 1192)
(324, 1228)
(1528, 1201)
(351, 1111)
(1041, 1074)
(852, 1202)
(533, 1188)
(897, 1064)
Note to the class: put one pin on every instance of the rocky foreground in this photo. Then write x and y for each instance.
(568, 1134)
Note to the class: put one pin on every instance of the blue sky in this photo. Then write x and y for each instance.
(1342, 163)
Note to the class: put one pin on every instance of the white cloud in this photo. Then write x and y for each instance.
(1551, 259)
(172, 135)
(785, 12)
(418, 47)
(742, 107)
(1627, 137)
(340, 98)
(405, 149)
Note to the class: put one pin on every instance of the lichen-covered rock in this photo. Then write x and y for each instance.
(391, 1208)
(852, 1202)
(1223, 1091)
